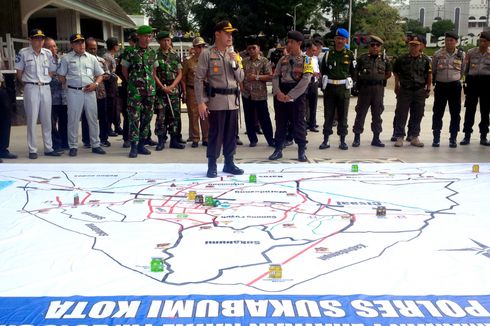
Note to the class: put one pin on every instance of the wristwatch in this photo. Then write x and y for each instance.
(96, 84)
(257, 77)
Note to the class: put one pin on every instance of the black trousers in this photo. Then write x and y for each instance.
(257, 109)
(290, 113)
(477, 89)
(223, 129)
(311, 103)
(412, 101)
(447, 93)
(123, 97)
(369, 96)
(5, 119)
(103, 125)
(59, 126)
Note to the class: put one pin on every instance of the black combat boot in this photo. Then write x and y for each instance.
(230, 166)
(161, 143)
(134, 150)
(343, 144)
(325, 143)
(174, 142)
(301, 153)
(150, 142)
(376, 141)
(466, 139)
(452, 140)
(277, 153)
(142, 149)
(483, 140)
(212, 168)
(357, 140)
(436, 142)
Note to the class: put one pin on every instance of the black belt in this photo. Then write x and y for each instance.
(77, 88)
(414, 88)
(38, 83)
(224, 91)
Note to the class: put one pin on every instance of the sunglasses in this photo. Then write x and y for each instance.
(375, 45)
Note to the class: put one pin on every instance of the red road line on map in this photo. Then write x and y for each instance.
(86, 197)
(151, 209)
(59, 201)
(329, 201)
(294, 256)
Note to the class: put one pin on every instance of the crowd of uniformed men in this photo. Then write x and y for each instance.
(213, 81)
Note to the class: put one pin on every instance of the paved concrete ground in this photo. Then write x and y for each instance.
(116, 154)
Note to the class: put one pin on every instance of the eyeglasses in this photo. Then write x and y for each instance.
(252, 48)
(375, 45)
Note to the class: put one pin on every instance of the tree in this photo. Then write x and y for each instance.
(442, 26)
(380, 19)
(416, 27)
(131, 7)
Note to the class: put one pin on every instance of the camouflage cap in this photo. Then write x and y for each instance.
(144, 29)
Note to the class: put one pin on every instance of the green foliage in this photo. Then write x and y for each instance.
(442, 26)
(131, 7)
(415, 27)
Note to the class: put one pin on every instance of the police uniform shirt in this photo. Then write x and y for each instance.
(80, 69)
(293, 70)
(35, 67)
(217, 68)
(339, 64)
(447, 67)
(478, 63)
(372, 67)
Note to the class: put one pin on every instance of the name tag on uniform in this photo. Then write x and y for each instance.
(89, 71)
(46, 72)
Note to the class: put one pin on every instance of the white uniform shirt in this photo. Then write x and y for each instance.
(35, 67)
(79, 69)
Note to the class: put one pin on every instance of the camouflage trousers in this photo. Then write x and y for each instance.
(139, 116)
(168, 114)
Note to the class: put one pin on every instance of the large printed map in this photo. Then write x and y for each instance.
(403, 231)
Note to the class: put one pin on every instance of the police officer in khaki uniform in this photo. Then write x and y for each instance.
(413, 79)
(447, 64)
(373, 69)
(34, 66)
(188, 74)
(477, 72)
(289, 83)
(337, 68)
(221, 67)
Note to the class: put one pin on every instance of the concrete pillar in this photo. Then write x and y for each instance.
(67, 23)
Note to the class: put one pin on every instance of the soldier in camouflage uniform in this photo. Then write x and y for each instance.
(167, 104)
(138, 69)
(337, 69)
(373, 69)
(413, 79)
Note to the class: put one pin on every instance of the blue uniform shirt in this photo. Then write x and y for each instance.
(35, 67)
(80, 70)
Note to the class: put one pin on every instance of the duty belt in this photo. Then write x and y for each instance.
(224, 91)
(36, 83)
(77, 88)
(337, 81)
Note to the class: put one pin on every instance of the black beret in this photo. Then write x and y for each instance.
(452, 34)
(485, 35)
(295, 35)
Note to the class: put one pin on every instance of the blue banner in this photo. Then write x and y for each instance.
(246, 310)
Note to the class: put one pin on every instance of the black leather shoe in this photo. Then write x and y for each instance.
(343, 146)
(436, 144)
(52, 153)
(377, 143)
(105, 143)
(453, 143)
(32, 156)
(150, 142)
(239, 142)
(112, 134)
(393, 138)
(233, 169)
(126, 144)
(313, 129)
(6, 154)
(86, 145)
(212, 172)
(356, 143)
(302, 155)
(276, 155)
(98, 150)
(484, 142)
(465, 141)
(73, 152)
(194, 144)
(253, 144)
(324, 145)
(288, 143)
(204, 143)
